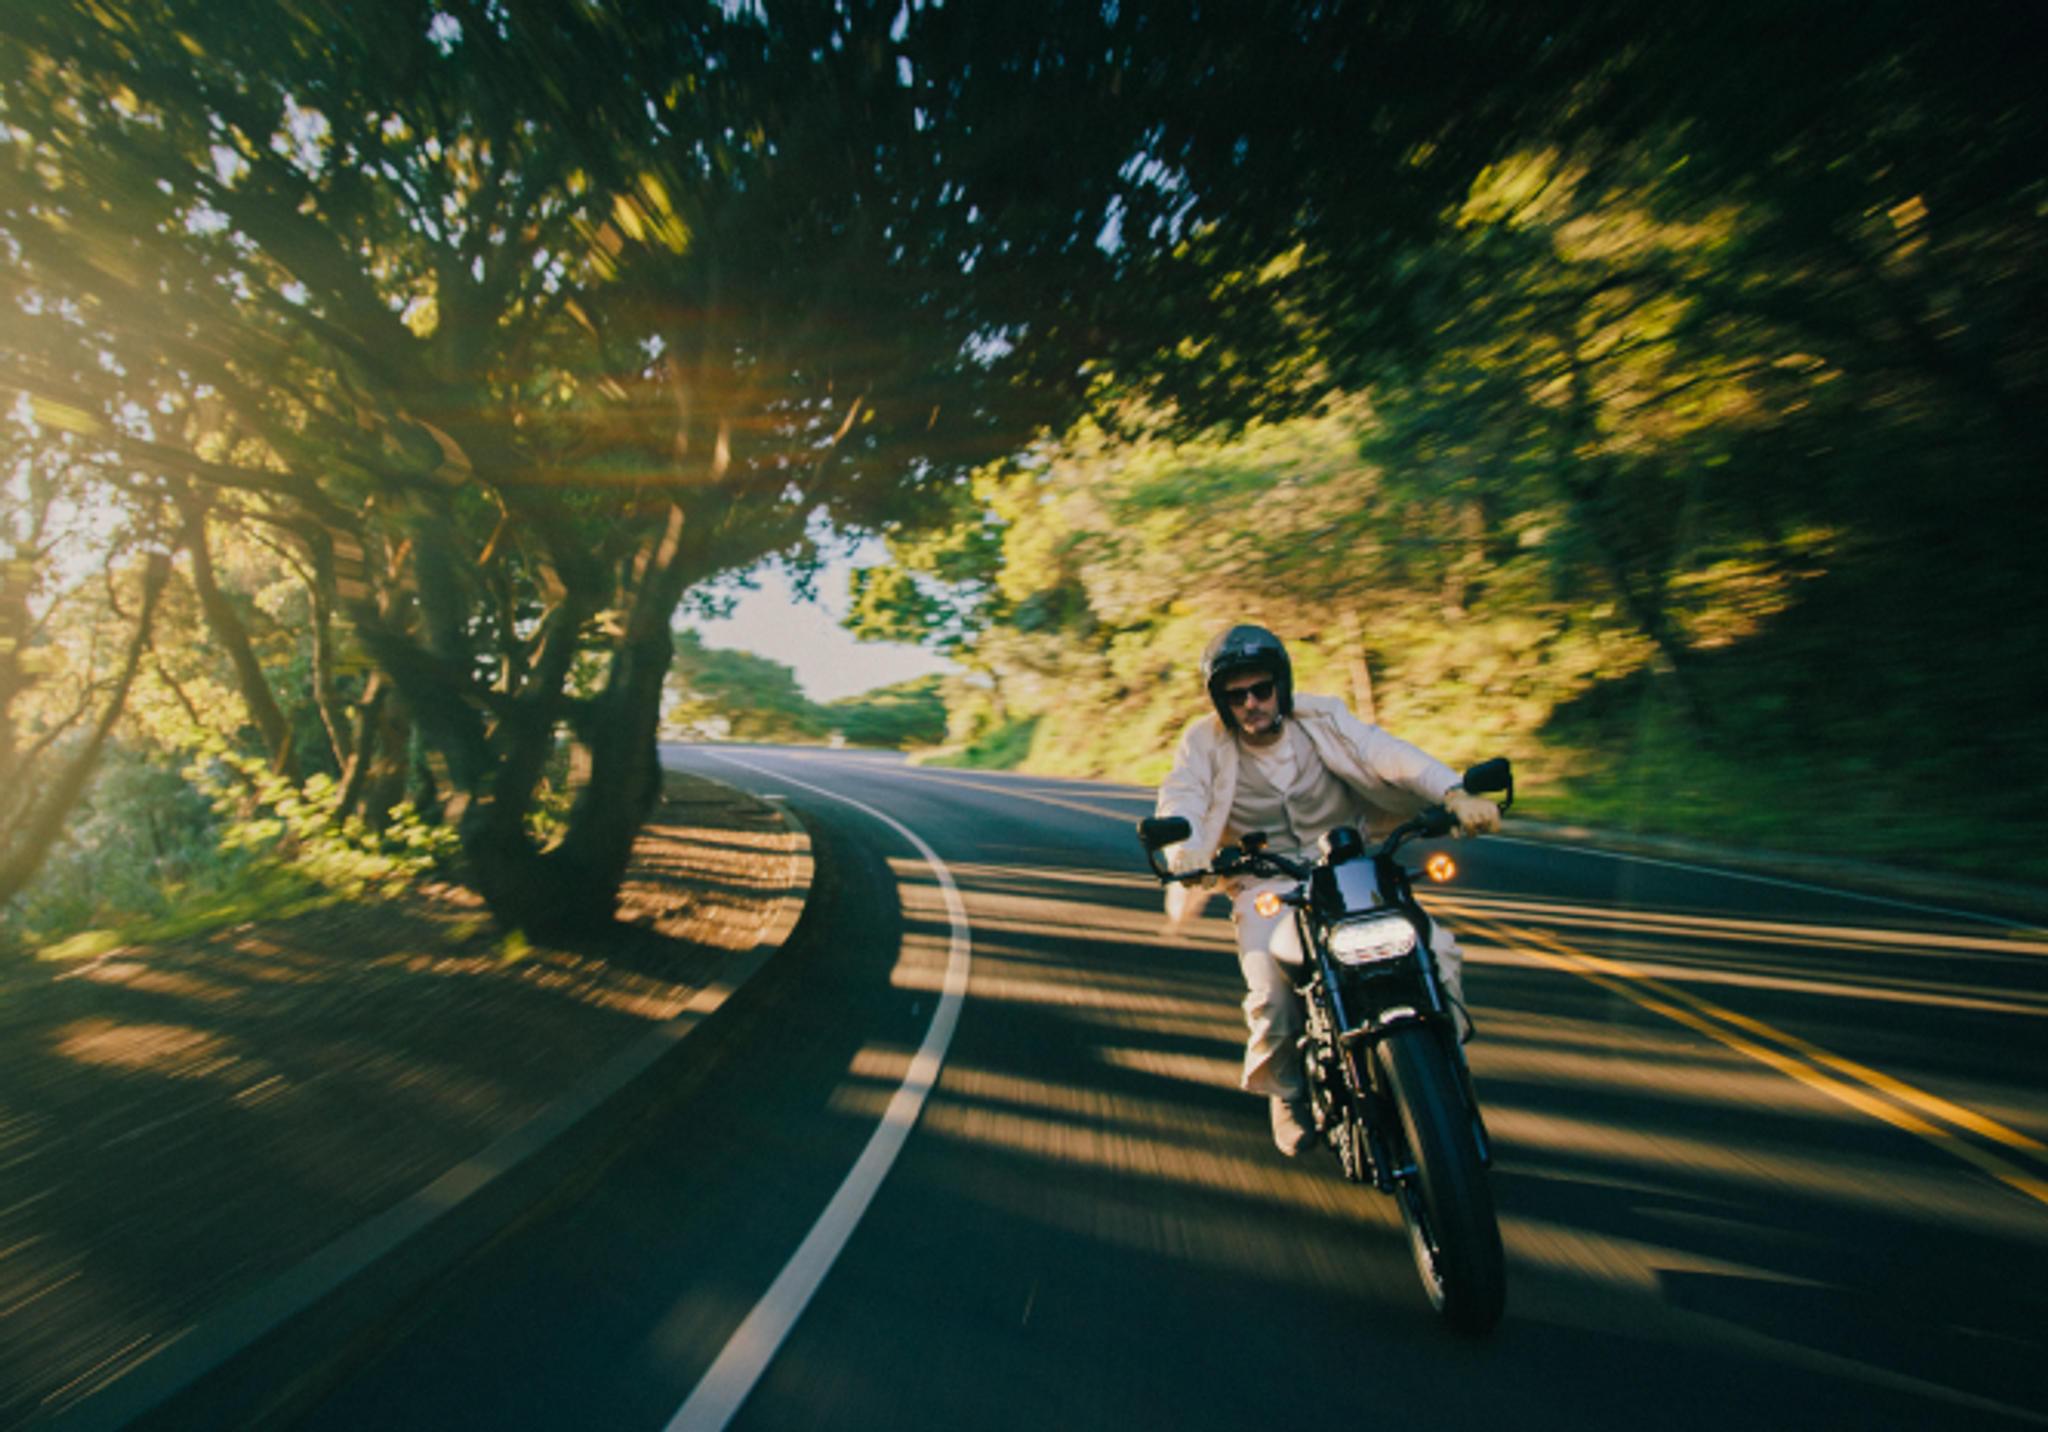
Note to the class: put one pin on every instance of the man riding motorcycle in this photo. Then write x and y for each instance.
(1292, 768)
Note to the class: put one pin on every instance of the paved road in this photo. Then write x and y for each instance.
(1767, 1158)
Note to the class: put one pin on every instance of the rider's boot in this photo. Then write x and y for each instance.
(1294, 1125)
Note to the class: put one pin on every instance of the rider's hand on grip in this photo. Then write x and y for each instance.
(1475, 815)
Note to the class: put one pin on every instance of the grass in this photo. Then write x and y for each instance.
(1006, 748)
(264, 893)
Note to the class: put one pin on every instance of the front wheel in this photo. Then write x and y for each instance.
(1446, 1200)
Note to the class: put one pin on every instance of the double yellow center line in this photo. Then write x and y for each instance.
(1938, 1121)
(1926, 1116)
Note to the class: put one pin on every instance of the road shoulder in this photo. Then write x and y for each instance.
(281, 1131)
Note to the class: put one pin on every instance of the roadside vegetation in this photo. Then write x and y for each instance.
(1653, 397)
(1806, 695)
(720, 695)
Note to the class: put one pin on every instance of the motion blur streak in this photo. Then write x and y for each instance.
(1625, 1263)
(1841, 936)
(1063, 1124)
(1636, 1158)
(1186, 1068)
(1700, 1015)
(1025, 985)
(1926, 1103)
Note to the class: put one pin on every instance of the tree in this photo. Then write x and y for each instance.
(514, 322)
(910, 713)
(520, 322)
(57, 707)
(737, 695)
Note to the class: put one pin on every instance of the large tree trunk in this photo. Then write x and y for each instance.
(620, 730)
(320, 594)
(374, 780)
(494, 744)
(227, 628)
(575, 886)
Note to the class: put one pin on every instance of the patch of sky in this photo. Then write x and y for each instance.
(202, 220)
(1111, 237)
(74, 538)
(991, 344)
(444, 32)
(792, 617)
(303, 140)
(228, 165)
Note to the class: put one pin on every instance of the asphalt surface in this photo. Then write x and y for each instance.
(1766, 1156)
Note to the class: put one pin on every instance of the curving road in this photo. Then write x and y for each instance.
(1767, 1157)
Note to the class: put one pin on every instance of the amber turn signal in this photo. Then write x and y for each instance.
(1441, 867)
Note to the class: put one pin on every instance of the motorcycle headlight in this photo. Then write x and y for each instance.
(1369, 942)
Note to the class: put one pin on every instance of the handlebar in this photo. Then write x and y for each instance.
(1252, 858)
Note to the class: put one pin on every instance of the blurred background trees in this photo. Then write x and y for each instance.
(1681, 454)
(513, 327)
(723, 695)
(1652, 394)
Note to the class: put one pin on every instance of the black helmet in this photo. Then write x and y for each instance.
(1246, 648)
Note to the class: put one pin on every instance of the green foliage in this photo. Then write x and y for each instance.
(1007, 747)
(142, 835)
(905, 716)
(277, 824)
(157, 853)
(1529, 348)
(1486, 643)
(723, 695)
(719, 694)
(1681, 454)
(1634, 763)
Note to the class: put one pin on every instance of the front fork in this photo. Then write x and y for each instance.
(1350, 1111)
(1351, 1108)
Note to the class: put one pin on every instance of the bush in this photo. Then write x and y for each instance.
(141, 834)
(157, 852)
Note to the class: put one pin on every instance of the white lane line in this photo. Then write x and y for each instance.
(745, 1357)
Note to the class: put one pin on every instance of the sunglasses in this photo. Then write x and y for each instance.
(1258, 691)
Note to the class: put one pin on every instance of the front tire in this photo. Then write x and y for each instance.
(1447, 1201)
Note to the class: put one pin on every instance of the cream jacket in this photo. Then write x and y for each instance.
(1392, 780)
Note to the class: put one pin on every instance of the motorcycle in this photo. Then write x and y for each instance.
(1388, 1082)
